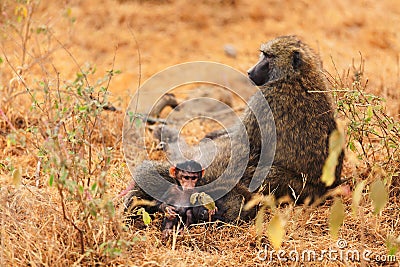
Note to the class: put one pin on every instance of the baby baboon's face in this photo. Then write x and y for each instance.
(188, 180)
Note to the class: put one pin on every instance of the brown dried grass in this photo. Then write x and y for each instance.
(35, 232)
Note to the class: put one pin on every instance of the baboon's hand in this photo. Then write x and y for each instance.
(212, 212)
(170, 212)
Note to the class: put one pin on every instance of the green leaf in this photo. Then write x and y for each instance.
(102, 245)
(94, 186)
(336, 217)
(83, 108)
(131, 116)
(336, 143)
(193, 198)
(391, 246)
(80, 189)
(138, 122)
(63, 174)
(276, 231)
(206, 201)
(392, 250)
(352, 147)
(370, 111)
(79, 91)
(51, 180)
(1, 60)
(357, 196)
(146, 217)
(378, 195)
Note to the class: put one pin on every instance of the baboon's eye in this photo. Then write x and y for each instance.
(267, 54)
(190, 177)
(296, 59)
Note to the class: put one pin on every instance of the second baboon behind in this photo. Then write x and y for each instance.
(290, 77)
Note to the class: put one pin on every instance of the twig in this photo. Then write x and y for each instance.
(73, 59)
(21, 79)
(69, 220)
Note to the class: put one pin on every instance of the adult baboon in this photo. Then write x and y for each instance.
(290, 78)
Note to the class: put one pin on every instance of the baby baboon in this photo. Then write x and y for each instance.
(291, 79)
(179, 200)
(180, 206)
(177, 197)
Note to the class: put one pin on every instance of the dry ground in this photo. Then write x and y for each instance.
(40, 224)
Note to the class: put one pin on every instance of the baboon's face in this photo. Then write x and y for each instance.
(279, 58)
(260, 73)
(188, 180)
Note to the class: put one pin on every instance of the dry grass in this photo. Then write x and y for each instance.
(69, 224)
(34, 232)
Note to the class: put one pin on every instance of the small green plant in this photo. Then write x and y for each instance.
(66, 132)
(372, 135)
(75, 165)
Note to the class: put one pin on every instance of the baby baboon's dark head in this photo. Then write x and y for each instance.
(187, 174)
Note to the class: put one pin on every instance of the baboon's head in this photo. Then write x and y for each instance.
(187, 174)
(284, 57)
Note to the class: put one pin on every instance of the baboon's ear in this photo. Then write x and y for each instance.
(172, 172)
(297, 60)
